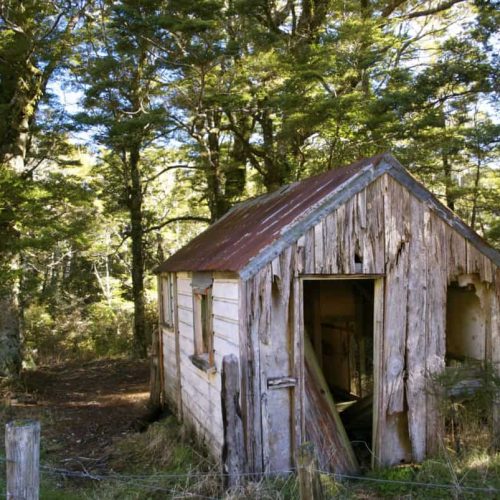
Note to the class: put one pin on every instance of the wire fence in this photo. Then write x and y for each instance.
(159, 482)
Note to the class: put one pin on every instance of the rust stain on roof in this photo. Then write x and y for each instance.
(231, 242)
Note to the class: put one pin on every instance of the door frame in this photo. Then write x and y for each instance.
(378, 338)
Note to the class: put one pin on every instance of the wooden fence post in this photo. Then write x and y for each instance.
(233, 451)
(309, 480)
(22, 449)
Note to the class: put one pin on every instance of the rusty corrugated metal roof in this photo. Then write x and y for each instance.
(231, 242)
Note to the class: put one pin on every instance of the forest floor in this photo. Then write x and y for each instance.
(82, 407)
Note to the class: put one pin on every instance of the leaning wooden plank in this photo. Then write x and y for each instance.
(323, 425)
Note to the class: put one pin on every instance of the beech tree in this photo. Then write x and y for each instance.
(35, 40)
(120, 72)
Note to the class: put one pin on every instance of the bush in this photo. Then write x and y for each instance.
(76, 332)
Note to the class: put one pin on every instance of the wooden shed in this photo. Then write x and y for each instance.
(342, 296)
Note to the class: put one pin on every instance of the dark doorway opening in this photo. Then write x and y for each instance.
(338, 318)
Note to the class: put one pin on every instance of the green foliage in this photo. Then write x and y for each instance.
(469, 391)
(71, 332)
(440, 478)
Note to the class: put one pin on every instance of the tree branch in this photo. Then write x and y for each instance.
(166, 169)
(392, 7)
(435, 10)
(183, 218)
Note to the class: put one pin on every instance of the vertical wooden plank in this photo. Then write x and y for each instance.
(359, 229)
(297, 364)
(397, 229)
(361, 218)
(264, 282)
(318, 248)
(376, 196)
(331, 243)
(378, 348)
(245, 371)
(342, 240)
(416, 337)
(395, 317)
(309, 252)
(276, 362)
(437, 284)
(489, 269)
(457, 261)
(474, 260)
(250, 369)
(233, 451)
(374, 242)
(346, 219)
(300, 256)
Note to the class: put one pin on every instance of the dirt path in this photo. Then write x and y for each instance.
(82, 407)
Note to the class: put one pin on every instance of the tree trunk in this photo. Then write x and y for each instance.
(450, 196)
(137, 234)
(10, 318)
(274, 171)
(10, 336)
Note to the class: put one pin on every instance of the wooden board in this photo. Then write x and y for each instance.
(323, 425)
(416, 352)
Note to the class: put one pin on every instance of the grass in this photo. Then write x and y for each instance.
(163, 462)
(166, 462)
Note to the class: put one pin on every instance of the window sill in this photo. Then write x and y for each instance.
(201, 362)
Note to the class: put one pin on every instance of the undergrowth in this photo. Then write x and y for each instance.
(165, 461)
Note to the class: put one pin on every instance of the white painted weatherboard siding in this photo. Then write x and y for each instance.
(201, 400)
(170, 364)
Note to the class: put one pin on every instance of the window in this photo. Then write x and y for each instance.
(203, 356)
(166, 297)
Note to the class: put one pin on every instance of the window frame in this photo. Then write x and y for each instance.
(167, 300)
(203, 334)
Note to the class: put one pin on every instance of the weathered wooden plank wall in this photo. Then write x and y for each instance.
(383, 230)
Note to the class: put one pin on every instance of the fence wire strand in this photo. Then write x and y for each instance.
(150, 482)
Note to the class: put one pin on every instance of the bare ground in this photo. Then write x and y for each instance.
(82, 407)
